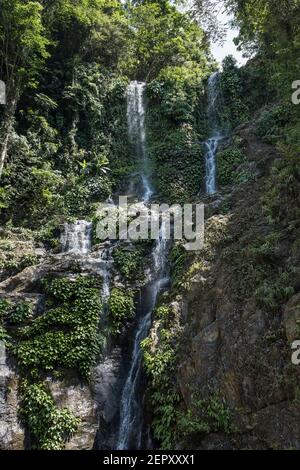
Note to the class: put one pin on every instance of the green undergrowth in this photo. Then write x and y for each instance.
(204, 416)
(50, 427)
(176, 125)
(131, 262)
(121, 309)
(62, 338)
(228, 162)
(12, 265)
(160, 365)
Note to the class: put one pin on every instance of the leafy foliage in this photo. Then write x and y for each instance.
(131, 263)
(234, 109)
(205, 416)
(49, 426)
(160, 362)
(228, 163)
(273, 121)
(121, 309)
(65, 336)
(175, 119)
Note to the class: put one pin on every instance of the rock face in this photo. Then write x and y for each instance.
(108, 382)
(291, 318)
(78, 398)
(11, 433)
(68, 393)
(234, 345)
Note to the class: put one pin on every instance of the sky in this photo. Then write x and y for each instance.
(220, 51)
(228, 47)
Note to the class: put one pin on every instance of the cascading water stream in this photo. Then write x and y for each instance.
(131, 413)
(77, 238)
(137, 133)
(212, 143)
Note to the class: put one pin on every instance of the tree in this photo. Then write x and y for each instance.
(268, 28)
(163, 36)
(22, 53)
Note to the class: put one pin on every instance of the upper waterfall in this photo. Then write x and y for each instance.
(136, 112)
(212, 144)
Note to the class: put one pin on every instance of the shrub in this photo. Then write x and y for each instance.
(160, 360)
(272, 123)
(131, 263)
(66, 335)
(203, 417)
(228, 162)
(48, 425)
(275, 291)
(121, 308)
(20, 313)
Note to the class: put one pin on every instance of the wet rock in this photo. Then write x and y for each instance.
(11, 433)
(107, 382)
(77, 397)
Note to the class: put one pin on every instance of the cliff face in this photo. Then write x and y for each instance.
(219, 350)
(240, 311)
(235, 343)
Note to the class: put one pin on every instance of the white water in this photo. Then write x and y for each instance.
(131, 412)
(105, 267)
(212, 143)
(137, 133)
(77, 238)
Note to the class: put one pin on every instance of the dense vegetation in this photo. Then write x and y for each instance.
(64, 149)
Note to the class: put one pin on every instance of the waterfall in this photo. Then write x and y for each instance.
(105, 267)
(137, 133)
(131, 407)
(131, 413)
(212, 143)
(77, 238)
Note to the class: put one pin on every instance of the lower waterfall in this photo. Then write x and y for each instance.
(131, 413)
(76, 240)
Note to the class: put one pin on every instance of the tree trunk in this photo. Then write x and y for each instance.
(5, 131)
